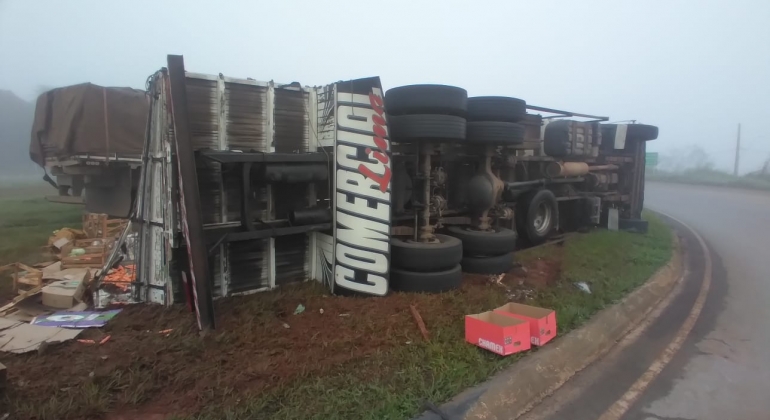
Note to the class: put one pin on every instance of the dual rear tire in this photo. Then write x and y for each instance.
(426, 267)
(486, 252)
(439, 114)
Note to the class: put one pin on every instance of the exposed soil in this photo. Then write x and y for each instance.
(144, 371)
(542, 272)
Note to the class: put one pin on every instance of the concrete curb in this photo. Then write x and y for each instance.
(516, 390)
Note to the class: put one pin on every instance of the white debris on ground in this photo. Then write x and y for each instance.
(583, 286)
(519, 294)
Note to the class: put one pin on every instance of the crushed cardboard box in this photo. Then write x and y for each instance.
(20, 337)
(66, 233)
(63, 294)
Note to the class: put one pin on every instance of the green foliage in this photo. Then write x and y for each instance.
(612, 263)
(711, 177)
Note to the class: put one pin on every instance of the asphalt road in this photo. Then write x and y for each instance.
(722, 371)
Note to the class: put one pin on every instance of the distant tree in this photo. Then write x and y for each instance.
(686, 158)
(15, 128)
(699, 159)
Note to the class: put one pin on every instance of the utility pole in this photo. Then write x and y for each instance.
(737, 151)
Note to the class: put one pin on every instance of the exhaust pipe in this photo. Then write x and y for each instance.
(555, 169)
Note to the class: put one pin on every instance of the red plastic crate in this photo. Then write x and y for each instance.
(542, 322)
(497, 333)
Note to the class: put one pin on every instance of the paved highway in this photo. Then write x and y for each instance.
(722, 369)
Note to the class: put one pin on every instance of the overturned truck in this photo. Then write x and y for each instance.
(249, 185)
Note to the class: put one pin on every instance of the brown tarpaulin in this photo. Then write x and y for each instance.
(89, 119)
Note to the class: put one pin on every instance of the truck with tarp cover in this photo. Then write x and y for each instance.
(89, 139)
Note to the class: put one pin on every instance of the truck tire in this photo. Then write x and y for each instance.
(494, 132)
(634, 133)
(426, 257)
(426, 99)
(426, 127)
(633, 225)
(499, 241)
(556, 141)
(488, 265)
(496, 108)
(434, 282)
(537, 216)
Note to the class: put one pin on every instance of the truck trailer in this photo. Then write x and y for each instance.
(246, 186)
(89, 140)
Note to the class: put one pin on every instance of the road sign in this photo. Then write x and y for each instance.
(651, 160)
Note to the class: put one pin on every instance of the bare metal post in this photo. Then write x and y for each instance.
(737, 151)
(426, 230)
(192, 219)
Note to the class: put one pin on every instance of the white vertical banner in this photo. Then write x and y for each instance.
(362, 189)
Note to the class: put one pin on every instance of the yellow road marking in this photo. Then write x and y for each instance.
(621, 406)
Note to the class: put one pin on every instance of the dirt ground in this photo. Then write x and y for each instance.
(145, 371)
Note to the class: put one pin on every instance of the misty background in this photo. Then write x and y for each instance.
(694, 68)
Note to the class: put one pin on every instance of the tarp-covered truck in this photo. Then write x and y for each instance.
(250, 185)
(90, 138)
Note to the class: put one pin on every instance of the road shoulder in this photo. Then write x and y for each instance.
(516, 390)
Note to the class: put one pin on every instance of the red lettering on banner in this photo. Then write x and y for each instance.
(376, 103)
(379, 131)
(379, 140)
(382, 157)
(383, 180)
(378, 120)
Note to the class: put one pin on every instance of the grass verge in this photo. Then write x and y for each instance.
(341, 358)
(396, 383)
(712, 178)
(26, 222)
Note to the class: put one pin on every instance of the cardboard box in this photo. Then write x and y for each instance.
(20, 337)
(542, 322)
(497, 333)
(63, 294)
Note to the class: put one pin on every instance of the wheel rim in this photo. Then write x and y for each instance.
(542, 218)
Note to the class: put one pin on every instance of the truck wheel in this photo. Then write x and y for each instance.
(556, 139)
(77, 191)
(425, 127)
(488, 265)
(494, 132)
(641, 132)
(633, 225)
(426, 257)
(498, 241)
(426, 99)
(496, 108)
(634, 133)
(537, 216)
(435, 282)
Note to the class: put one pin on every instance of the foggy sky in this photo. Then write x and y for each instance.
(694, 68)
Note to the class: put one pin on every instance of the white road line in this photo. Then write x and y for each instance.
(621, 406)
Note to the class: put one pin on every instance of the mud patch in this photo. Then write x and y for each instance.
(156, 363)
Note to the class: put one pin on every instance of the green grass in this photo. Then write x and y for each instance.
(391, 383)
(612, 264)
(710, 177)
(26, 222)
(395, 384)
